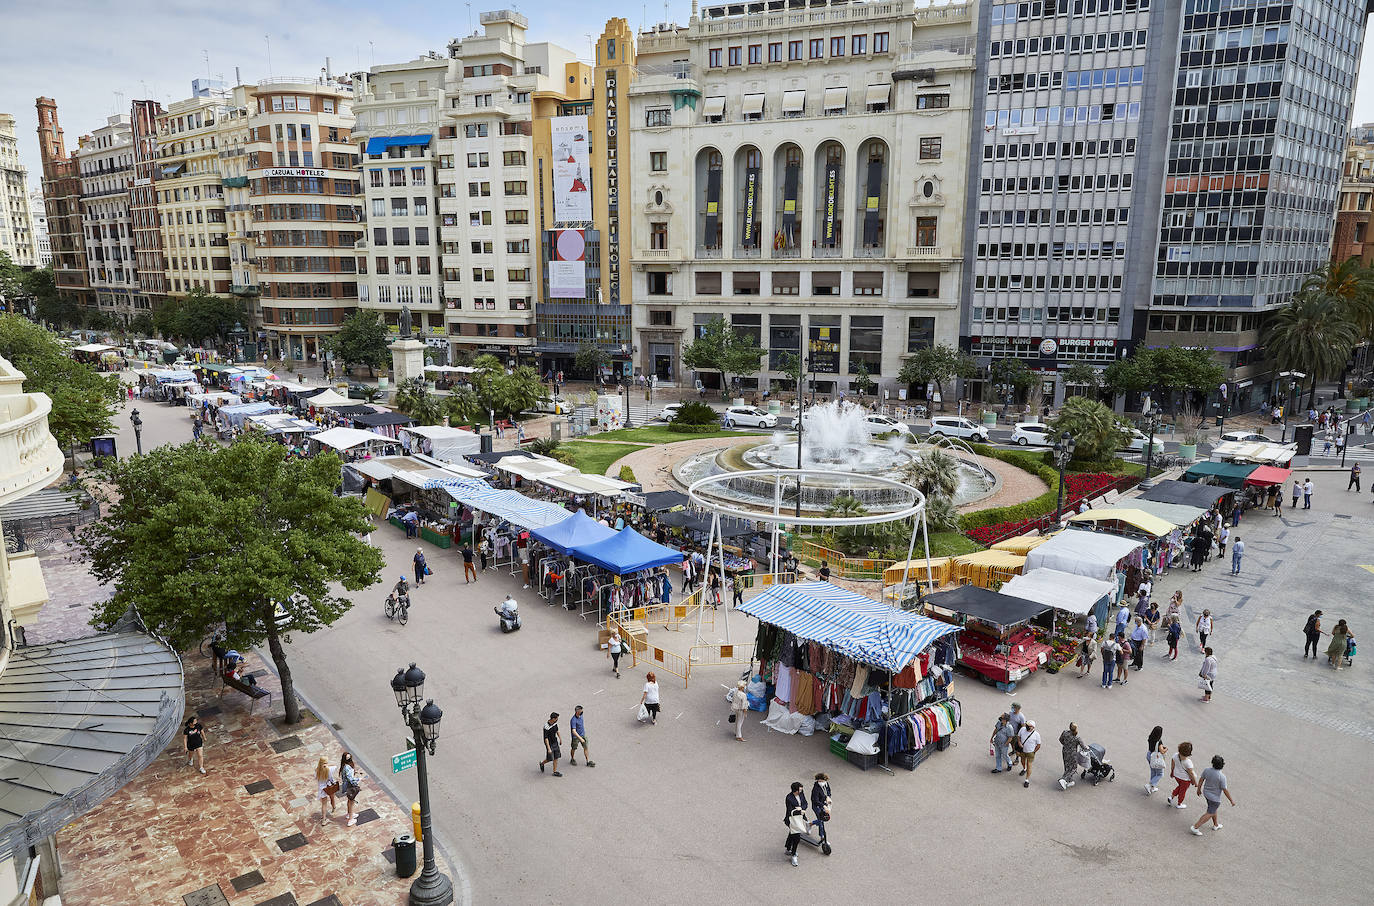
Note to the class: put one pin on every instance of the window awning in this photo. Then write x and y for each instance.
(714, 107)
(379, 144)
(794, 101)
(173, 170)
(753, 103)
(877, 94)
(836, 98)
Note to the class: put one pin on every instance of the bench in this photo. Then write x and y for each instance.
(253, 692)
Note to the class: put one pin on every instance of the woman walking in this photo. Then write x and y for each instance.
(794, 816)
(1154, 755)
(1173, 634)
(1086, 656)
(739, 706)
(327, 784)
(195, 743)
(483, 552)
(1335, 652)
(421, 568)
(650, 697)
(1181, 770)
(820, 803)
(1204, 629)
(1208, 675)
(1211, 787)
(1123, 658)
(350, 779)
(614, 649)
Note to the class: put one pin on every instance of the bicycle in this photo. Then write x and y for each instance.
(397, 608)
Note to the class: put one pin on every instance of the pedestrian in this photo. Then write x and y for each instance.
(794, 816)
(1211, 787)
(739, 706)
(1000, 744)
(820, 803)
(553, 744)
(1175, 605)
(824, 571)
(1018, 722)
(351, 782)
(1086, 655)
(1204, 629)
(1354, 478)
(1207, 674)
(1237, 552)
(411, 520)
(194, 735)
(421, 567)
(1071, 744)
(1181, 770)
(666, 595)
(1110, 649)
(1312, 631)
(327, 785)
(1152, 622)
(1155, 752)
(1173, 634)
(650, 697)
(1237, 511)
(577, 730)
(736, 584)
(1222, 537)
(1029, 738)
(470, 571)
(614, 649)
(1297, 491)
(713, 586)
(519, 433)
(1307, 494)
(1326, 443)
(1335, 652)
(1197, 548)
(1278, 501)
(1139, 636)
(1090, 625)
(196, 429)
(483, 552)
(1125, 654)
(1123, 617)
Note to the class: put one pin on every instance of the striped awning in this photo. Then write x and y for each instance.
(511, 506)
(851, 624)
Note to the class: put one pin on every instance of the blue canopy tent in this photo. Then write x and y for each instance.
(855, 626)
(627, 551)
(577, 530)
(234, 416)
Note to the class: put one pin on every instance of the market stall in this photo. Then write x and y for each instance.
(560, 538)
(325, 399)
(231, 419)
(1187, 493)
(1266, 476)
(631, 560)
(1228, 474)
(1262, 453)
(985, 567)
(285, 429)
(998, 643)
(1120, 562)
(440, 441)
(875, 678)
(1072, 594)
(504, 518)
(388, 424)
(351, 442)
(1177, 513)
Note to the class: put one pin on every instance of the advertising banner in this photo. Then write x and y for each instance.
(830, 229)
(572, 197)
(750, 235)
(568, 265)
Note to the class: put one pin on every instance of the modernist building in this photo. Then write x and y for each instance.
(801, 175)
(150, 264)
(1351, 238)
(62, 199)
(17, 237)
(42, 247)
(105, 159)
(1064, 178)
(1261, 113)
(306, 218)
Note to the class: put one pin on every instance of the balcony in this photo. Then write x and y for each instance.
(925, 251)
(794, 252)
(710, 253)
(742, 252)
(28, 452)
(243, 289)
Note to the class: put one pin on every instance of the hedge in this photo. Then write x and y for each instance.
(628, 474)
(1028, 509)
(692, 429)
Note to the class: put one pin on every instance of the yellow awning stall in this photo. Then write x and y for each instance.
(1022, 544)
(920, 570)
(1140, 520)
(986, 567)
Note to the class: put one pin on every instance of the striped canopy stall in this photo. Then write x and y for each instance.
(851, 624)
(509, 505)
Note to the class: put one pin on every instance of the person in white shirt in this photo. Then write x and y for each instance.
(650, 697)
(1204, 629)
(1208, 674)
(1181, 770)
(1029, 737)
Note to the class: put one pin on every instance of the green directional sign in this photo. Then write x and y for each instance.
(403, 761)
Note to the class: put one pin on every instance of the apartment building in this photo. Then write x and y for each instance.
(1260, 118)
(62, 200)
(1073, 101)
(105, 160)
(234, 136)
(398, 113)
(42, 247)
(306, 216)
(17, 237)
(150, 265)
(798, 169)
(1351, 238)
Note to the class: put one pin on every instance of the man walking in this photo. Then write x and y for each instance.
(1354, 478)
(1002, 735)
(578, 731)
(1071, 744)
(1211, 787)
(553, 744)
(1110, 649)
(1017, 721)
(469, 571)
(1297, 491)
(1237, 551)
(1029, 739)
(1307, 494)
(1139, 636)
(421, 567)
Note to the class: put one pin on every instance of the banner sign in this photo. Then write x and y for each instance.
(568, 265)
(751, 224)
(830, 231)
(610, 278)
(572, 197)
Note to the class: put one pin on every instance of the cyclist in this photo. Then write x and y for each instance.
(402, 589)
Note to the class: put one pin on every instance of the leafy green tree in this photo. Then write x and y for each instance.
(1011, 377)
(934, 474)
(589, 359)
(198, 534)
(1084, 376)
(863, 381)
(511, 394)
(50, 305)
(414, 398)
(1170, 372)
(1349, 286)
(938, 364)
(83, 399)
(203, 316)
(142, 324)
(167, 318)
(95, 319)
(463, 406)
(362, 340)
(1096, 431)
(1311, 334)
(721, 348)
(11, 282)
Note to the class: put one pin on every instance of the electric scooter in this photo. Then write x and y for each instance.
(821, 842)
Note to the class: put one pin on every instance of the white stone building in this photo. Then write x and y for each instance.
(802, 174)
(42, 247)
(16, 220)
(105, 162)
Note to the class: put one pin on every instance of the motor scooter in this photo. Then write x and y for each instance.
(509, 615)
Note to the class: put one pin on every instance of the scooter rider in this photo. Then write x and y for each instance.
(509, 612)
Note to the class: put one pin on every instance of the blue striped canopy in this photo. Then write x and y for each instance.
(577, 529)
(514, 507)
(855, 626)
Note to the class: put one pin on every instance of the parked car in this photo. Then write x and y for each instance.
(1138, 441)
(358, 391)
(748, 417)
(1246, 437)
(670, 411)
(953, 426)
(1027, 433)
(882, 424)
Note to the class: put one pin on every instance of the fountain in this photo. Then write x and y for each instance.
(835, 439)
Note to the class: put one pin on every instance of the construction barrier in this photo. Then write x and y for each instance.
(719, 654)
(841, 566)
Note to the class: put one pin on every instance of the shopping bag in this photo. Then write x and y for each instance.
(643, 712)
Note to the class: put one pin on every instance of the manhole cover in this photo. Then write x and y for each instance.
(246, 882)
(286, 744)
(206, 896)
(258, 786)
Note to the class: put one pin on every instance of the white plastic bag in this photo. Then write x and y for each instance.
(808, 726)
(643, 712)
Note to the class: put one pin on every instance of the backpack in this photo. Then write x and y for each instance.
(1311, 626)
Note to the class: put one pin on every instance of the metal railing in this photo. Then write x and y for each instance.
(841, 565)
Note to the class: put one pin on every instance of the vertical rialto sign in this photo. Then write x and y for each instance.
(611, 278)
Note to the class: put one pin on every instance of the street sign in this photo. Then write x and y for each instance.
(403, 761)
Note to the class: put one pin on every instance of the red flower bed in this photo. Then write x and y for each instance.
(996, 532)
(1077, 486)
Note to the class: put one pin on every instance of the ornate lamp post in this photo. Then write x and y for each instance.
(1152, 419)
(432, 888)
(137, 421)
(1063, 453)
(626, 388)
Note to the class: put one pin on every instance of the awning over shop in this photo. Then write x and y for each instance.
(497, 455)
(1137, 519)
(627, 552)
(577, 529)
(694, 522)
(535, 468)
(381, 419)
(512, 506)
(1230, 474)
(991, 607)
(80, 718)
(168, 377)
(1263, 453)
(448, 444)
(1187, 493)
(1083, 553)
(855, 626)
(347, 438)
(658, 501)
(1177, 513)
(281, 423)
(1267, 475)
(1062, 591)
(378, 144)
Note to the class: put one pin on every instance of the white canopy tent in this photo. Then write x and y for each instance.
(444, 443)
(1268, 454)
(1083, 553)
(327, 399)
(451, 369)
(1068, 592)
(348, 438)
(533, 468)
(93, 347)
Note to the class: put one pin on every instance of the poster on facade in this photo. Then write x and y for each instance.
(830, 232)
(568, 265)
(572, 197)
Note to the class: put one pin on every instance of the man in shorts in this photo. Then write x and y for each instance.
(1030, 744)
(578, 731)
(553, 745)
(1212, 786)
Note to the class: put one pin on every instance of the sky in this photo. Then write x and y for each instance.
(95, 57)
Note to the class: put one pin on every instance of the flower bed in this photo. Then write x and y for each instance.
(1077, 486)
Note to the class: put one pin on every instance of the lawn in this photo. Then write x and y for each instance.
(594, 459)
(660, 434)
(949, 544)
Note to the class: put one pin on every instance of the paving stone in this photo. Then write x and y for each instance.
(295, 841)
(258, 786)
(206, 896)
(252, 879)
(286, 744)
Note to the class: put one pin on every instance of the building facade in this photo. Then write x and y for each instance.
(62, 200)
(1261, 114)
(105, 159)
(1351, 238)
(41, 246)
(801, 176)
(149, 262)
(17, 238)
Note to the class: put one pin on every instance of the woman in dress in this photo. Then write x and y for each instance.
(1335, 652)
(195, 741)
(327, 784)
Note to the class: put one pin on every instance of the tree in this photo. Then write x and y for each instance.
(1311, 334)
(167, 318)
(863, 382)
(513, 393)
(1096, 431)
(1349, 286)
(1081, 374)
(1011, 377)
(934, 474)
(721, 348)
(11, 282)
(83, 399)
(202, 316)
(142, 324)
(1169, 371)
(50, 305)
(362, 340)
(463, 407)
(939, 364)
(589, 359)
(413, 397)
(198, 534)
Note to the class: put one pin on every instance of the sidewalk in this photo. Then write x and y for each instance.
(248, 832)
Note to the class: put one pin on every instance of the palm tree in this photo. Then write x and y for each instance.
(462, 406)
(845, 506)
(1350, 287)
(1096, 432)
(1313, 334)
(935, 474)
(414, 399)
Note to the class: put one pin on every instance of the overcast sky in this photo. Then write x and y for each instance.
(94, 57)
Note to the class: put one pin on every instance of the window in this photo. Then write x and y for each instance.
(931, 101)
(925, 232)
(880, 42)
(517, 247)
(735, 56)
(930, 148)
(661, 318)
(658, 235)
(399, 207)
(516, 187)
(417, 176)
(755, 53)
(518, 274)
(396, 176)
(837, 47)
(420, 206)
(658, 161)
(379, 235)
(858, 45)
(775, 52)
(658, 116)
(513, 158)
(517, 217)
(713, 57)
(479, 189)
(794, 50)
(481, 100)
(475, 130)
(400, 236)
(379, 207)
(817, 48)
(422, 235)
(383, 266)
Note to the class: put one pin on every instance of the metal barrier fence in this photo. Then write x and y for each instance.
(719, 654)
(841, 566)
(656, 657)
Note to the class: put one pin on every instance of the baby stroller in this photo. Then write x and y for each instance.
(1350, 652)
(1097, 768)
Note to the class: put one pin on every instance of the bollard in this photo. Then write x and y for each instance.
(415, 820)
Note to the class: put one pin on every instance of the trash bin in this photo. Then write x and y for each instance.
(1221, 420)
(405, 855)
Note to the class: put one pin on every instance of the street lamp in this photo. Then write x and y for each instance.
(1152, 419)
(137, 421)
(1063, 453)
(626, 386)
(432, 888)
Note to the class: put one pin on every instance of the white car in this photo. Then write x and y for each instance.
(953, 426)
(748, 417)
(1139, 440)
(1027, 433)
(670, 411)
(882, 424)
(1245, 437)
